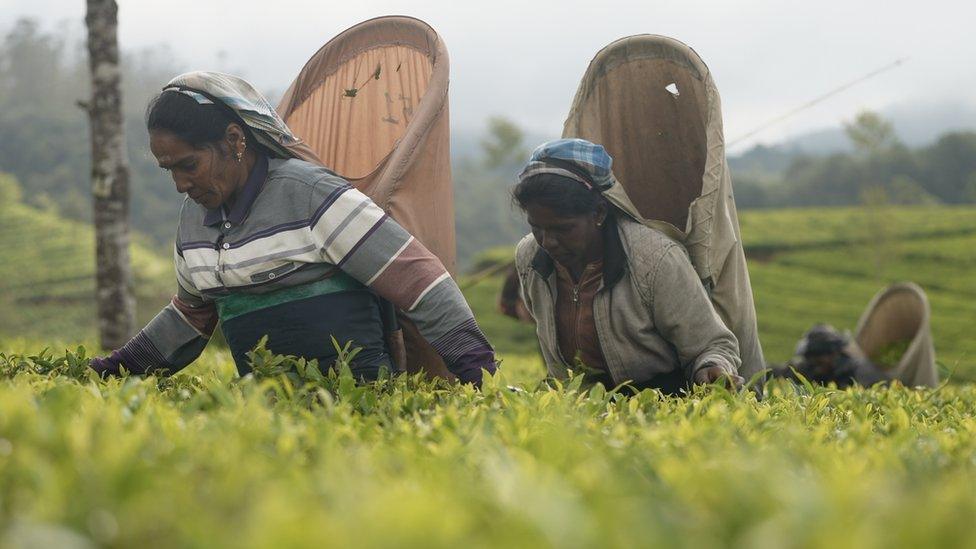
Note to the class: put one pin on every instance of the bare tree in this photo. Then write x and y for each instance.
(110, 178)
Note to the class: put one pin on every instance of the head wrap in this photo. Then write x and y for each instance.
(590, 165)
(248, 104)
(577, 159)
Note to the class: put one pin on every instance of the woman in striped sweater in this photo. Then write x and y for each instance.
(271, 245)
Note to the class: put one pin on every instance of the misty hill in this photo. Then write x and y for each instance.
(916, 125)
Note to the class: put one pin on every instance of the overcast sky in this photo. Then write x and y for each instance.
(523, 59)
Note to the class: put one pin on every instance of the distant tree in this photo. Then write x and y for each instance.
(749, 193)
(482, 187)
(970, 194)
(884, 171)
(503, 146)
(110, 178)
(42, 76)
(33, 69)
(905, 191)
(38, 117)
(824, 181)
(870, 133)
(949, 165)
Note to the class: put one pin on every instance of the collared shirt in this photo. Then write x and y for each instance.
(300, 256)
(244, 200)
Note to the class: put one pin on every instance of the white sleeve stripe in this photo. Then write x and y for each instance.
(345, 223)
(427, 290)
(389, 261)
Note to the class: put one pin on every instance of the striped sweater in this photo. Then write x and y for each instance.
(293, 227)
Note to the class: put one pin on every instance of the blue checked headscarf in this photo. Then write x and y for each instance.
(577, 159)
(590, 165)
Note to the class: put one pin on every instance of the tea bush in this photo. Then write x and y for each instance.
(291, 457)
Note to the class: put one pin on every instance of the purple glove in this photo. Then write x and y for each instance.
(469, 368)
(107, 366)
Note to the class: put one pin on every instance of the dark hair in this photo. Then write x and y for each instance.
(822, 339)
(198, 125)
(559, 193)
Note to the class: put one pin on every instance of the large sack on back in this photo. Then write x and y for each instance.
(652, 103)
(372, 105)
(896, 321)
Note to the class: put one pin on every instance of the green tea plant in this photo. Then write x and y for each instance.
(292, 456)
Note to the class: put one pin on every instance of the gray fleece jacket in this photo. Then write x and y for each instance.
(652, 313)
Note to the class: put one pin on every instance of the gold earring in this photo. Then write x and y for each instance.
(240, 155)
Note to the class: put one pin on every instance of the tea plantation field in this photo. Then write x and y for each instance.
(205, 459)
(47, 276)
(825, 265)
(271, 461)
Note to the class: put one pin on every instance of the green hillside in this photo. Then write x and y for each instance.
(831, 279)
(47, 274)
(824, 265)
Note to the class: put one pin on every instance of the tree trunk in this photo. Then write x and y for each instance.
(110, 179)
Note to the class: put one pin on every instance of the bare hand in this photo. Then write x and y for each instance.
(711, 374)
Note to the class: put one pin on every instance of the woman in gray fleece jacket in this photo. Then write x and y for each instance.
(611, 297)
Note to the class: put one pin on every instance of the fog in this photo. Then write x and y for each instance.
(524, 59)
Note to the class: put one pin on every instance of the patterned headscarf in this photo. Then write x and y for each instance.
(590, 165)
(250, 106)
(577, 159)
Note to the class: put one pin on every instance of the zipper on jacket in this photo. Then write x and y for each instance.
(578, 310)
